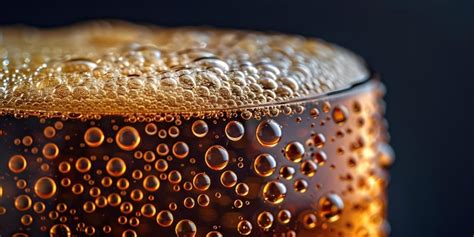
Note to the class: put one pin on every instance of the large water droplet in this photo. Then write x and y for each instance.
(185, 228)
(116, 167)
(264, 165)
(216, 157)
(274, 192)
(268, 133)
(45, 187)
(127, 138)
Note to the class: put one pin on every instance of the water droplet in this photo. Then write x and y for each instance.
(161, 165)
(200, 128)
(308, 168)
(148, 210)
(320, 157)
(26, 220)
(83, 165)
(203, 200)
(244, 227)
(331, 207)
(129, 233)
(201, 181)
(294, 151)
(188, 202)
(268, 133)
(49, 132)
(318, 140)
(162, 149)
(23, 202)
(300, 185)
(78, 65)
(88, 207)
(214, 233)
(264, 165)
(45, 187)
(339, 114)
(185, 228)
(180, 150)
(151, 129)
(242, 189)
(228, 179)
(284, 216)
(216, 157)
(60, 230)
(314, 112)
(287, 172)
(116, 167)
(94, 137)
(50, 151)
(274, 192)
(39, 207)
(265, 220)
(17, 164)
(151, 183)
(127, 138)
(164, 218)
(234, 130)
(310, 220)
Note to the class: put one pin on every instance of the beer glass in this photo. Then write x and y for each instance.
(113, 129)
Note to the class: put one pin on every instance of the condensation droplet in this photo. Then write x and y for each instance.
(268, 133)
(127, 138)
(180, 150)
(284, 216)
(83, 165)
(294, 151)
(201, 181)
(228, 179)
(309, 220)
(185, 228)
(94, 137)
(265, 220)
(116, 167)
(200, 128)
(216, 157)
(214, 233)
(151, 183)
(308, 168)
(274, 192)
(23, 202)
(50, 151)
(244, 227)
(60, 230)
(264, 165)
(331, 207)
(45, 187)
(340, 114)
(234, 130)
(164, 218)
(242, 189)
(17, 164)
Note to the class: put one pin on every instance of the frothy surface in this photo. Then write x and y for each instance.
(114, 68)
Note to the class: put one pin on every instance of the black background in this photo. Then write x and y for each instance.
(423, 50)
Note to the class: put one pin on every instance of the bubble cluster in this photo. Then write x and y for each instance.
(113, 67)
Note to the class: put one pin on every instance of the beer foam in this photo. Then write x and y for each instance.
(117, 68)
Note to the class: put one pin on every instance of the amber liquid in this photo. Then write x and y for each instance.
(317, 170)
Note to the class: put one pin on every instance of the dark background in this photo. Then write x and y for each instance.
(423, 50)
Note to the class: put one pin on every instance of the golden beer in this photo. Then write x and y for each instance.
(112, 129)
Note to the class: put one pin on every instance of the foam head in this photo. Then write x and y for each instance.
(119, 68)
